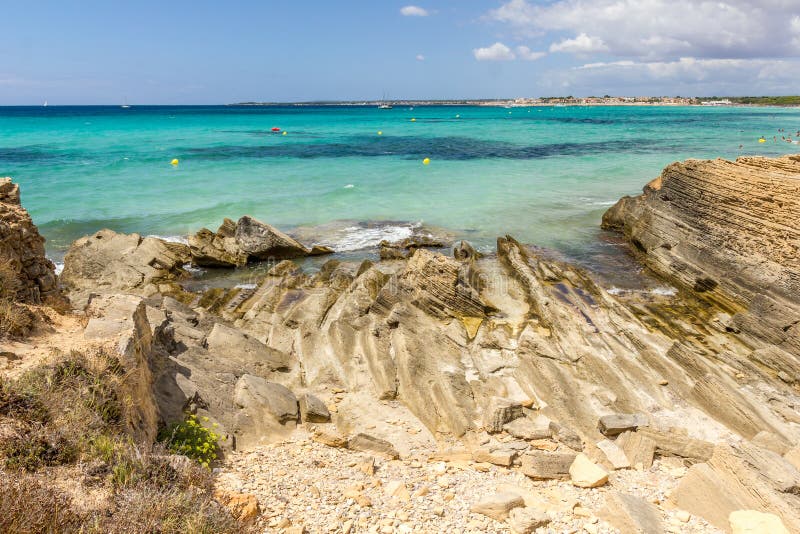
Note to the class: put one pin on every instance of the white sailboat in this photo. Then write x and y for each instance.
(125, 103)
(384, 104)
(45, 104)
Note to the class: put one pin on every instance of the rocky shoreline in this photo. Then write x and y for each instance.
(431, 391)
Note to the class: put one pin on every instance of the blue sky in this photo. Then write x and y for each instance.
(177, 51)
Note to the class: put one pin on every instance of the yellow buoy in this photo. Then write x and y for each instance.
(284, 132)
(174, 161)
(762, 140)
(380, 132)
(426, 161)
(413, 120)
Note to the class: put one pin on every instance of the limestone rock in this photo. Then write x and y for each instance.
(638, 448)
(793, 457)
(313, 410)
(406, 247)
(497, 506)
(753, 522)
(632, 515)
(108, 262)
(614, 424)
(529, 428)
(22, 249)
(261, 241)
(526, 520)
(615, 455)
(496, 457)
(499, 412)
(231, 343)
(256, 394)
(329, 438)
(586, 474)
(699, 219)
(243, 506)
(540, 465)
(366, 443)
(220, 249)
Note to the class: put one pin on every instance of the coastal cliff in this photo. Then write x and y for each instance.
(448, 390)
(728, 232)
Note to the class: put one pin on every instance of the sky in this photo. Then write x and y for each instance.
(212, 52)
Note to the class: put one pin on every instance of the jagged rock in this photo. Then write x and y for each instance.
(728, 482)
(122, 320)
(406, 247)
(313, 410)
(464, 251)
(528, 428)
(497, 506)
(108, 262)
(632, 515)
(256, 394)
(262, 242)
(754, 522)
(220, 249)
(366, 443)
(540, 465)
(726, 231)
(22, 250)
(586, 474)
(614, 424)
(527, 520)
(499, 412)
(614, 454)
(638, 448)
(566, 435)
(234, 344)
(243, 506)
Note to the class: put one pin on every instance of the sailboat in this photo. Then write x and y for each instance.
(125, 103)
(45, 104)
(384, 104)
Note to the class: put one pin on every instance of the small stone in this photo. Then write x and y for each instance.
(438, 510)
(683, 516)
(586, 474)
(498, 457)
(498, 506)
(331, 439)
(398, 490)
(312, 409)
(615, 455)
(614, 424)
(367, 443)
(422, 491)
(347, 526)
(499, 412)
(526, 520)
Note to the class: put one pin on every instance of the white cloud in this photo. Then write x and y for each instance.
(496, 52)
(523, 52)
(414, 11)
(582, 44)
(420, 57)
(659, 30)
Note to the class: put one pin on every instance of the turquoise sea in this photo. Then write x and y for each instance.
(544, 175)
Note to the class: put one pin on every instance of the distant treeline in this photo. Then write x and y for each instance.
(761, 100)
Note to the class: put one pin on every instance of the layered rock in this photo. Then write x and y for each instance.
(236, 244)
(108, 262)
(728, 232)
(22, 250)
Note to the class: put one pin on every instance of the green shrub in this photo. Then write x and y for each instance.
(190, 438)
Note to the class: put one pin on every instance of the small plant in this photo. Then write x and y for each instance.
(190, 438)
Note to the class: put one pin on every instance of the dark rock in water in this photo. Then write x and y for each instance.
(218, 249)
(612, 425)
(398, 250)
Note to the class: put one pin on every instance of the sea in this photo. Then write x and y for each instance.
(351, 176)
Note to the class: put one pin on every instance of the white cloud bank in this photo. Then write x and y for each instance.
(414, 11)
(582, 44)
(420, 57)
(496, 52)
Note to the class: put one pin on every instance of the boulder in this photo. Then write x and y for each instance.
(586, 474)
(220, 249)
(260, 241)
(313, 410)
(615, 424)
(497, 506)
(256, 395)
(107, 262)
(632, 515)
(366, 443)
(28, 275)
(526, 520)
(638, 448)
(614, 454)
(541, 465)
(529, 428)
(497, 457)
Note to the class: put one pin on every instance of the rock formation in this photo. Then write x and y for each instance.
(728, 232)
(22, 248)
(235, 244)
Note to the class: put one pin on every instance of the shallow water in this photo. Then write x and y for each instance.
(544, 175)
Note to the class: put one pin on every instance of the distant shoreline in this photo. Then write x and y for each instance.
(507, 104)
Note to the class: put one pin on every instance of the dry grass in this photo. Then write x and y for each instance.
(68, 414)
(16, 320)
(9, 281)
